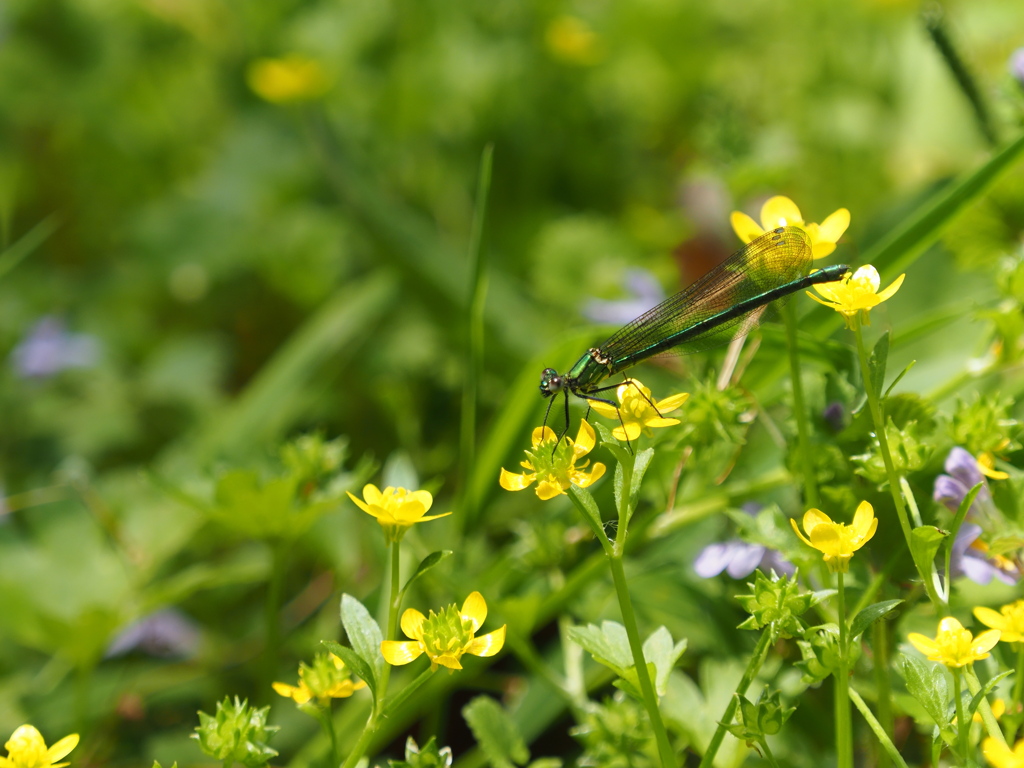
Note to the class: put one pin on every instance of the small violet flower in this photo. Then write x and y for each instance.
(1016, 66)
(740, 558)
(167, 634)
(970, 558)
(964, 473)
(644, 292)
(49, 349)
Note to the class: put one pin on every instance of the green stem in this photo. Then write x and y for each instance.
(273, 608)
(984, 709)
(401, 697)
(768, 753)
(327, 723)
(880, 648)
(890, 470)
(1018, 690)
(753, 667)
(963, 727)
(880, 733)
(394, 600)
(799, 410)
(668, 758)
(363, 742)
(844, 736)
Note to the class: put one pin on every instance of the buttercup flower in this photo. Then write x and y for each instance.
(856, 294)
(328, 678)
(573, 41)
(444, 636)
(780, 211)
(637, 412)
(955, 646)
(396, 509)
(838, 541)
(555, 471)
(1009, 620)
(987, 467)
(288, 79)
(1001, 756)
(26, 749)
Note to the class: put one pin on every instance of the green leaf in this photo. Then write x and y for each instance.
(896, 381)
(359, 666)
(876, 363)
(927, 683)
(588, 508)
(924, 543)
(608, 644)
(870, 615)
(986, 689)
(363, 633)
(495, 732)
(426, 564)
(640, 465)
(664, 654)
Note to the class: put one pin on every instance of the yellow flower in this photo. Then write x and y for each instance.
(987, 467)
(998, 710)
(26, 749)
(1009, 620)
(326, 679)
(780, 211)
(444, 636)
(638, 413)
(396, 509)
(570, 39)
(855, 294)
(288, 79)
(955, 646)
(838, 541)
(555, 470)
(1001, 756)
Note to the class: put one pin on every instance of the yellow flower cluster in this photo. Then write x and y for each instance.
(26, 749)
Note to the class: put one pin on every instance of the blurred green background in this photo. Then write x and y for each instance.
(203, 256)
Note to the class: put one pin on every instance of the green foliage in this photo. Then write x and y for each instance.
(237, 733)
(609, 645)
(765, 718)
(496, 733)
(429, 756)
(778, 602)
(982, 424)
(615, 733)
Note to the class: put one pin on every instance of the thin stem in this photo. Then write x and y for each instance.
(768, 753)
(799, 410)
(844, 736)
(668, 758)
(880, 648)
(753, 667)
(363, 742)
(984, 709)
(963, 727)
(394, 600)
(880, 733)
(401, 697)
(1018, 690)
(327, 723)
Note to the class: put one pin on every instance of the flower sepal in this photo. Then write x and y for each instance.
(765, 718)
(778, 602)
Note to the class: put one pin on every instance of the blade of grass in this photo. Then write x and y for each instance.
(28, 242)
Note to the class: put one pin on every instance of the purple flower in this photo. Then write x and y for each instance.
(739, 559)
(1016, 64)
(49, 349)
(645, 292)
(969, 558)
(167, 633)
(964, 474)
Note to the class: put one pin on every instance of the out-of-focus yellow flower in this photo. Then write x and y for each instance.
(856, 294)
(637, 412)
(955, 646)
(780, 211)
(1009, 620)
(571, 39)
(328, 678)
(1001, 756)
(26, 749)
(838, 541)
(396, 509)
(554, 471)
(444, 636)
(987, 467)
(288, 79)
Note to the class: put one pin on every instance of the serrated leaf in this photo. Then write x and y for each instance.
(363, 633)
(495, 732)
(927, 683)
(608, 644)
(426, 564)
(876, 363)
(660, 651)
(588, 507)
(359, 666)
(870, 615)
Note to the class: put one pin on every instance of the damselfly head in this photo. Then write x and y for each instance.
(551, 382)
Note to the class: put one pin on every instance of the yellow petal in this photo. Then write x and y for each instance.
(862, 540)
(745, 227)
(990, 618)
(813, 518)
(821, 248)
(631, 431)
(359, 503)
(423, 498)
(585, 439)
(826, 539)
(986, 641)
(869, 275)
(513, 482)
(372, 494)
(607, 410)
(474, 610)
(831, 304)
(398, 653)
(658, 422)
(541, 435)
(833, 227)
(949, 624)
(425, 518)
(803, 538)
(582, 479)
(549, 488)
(999, 755)
(446, 660)
(862, 519)
(672, 402)
(780, 211)
(412, 623)
(487, 645)
(62, 747)
(924, 644)
(888, 292)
